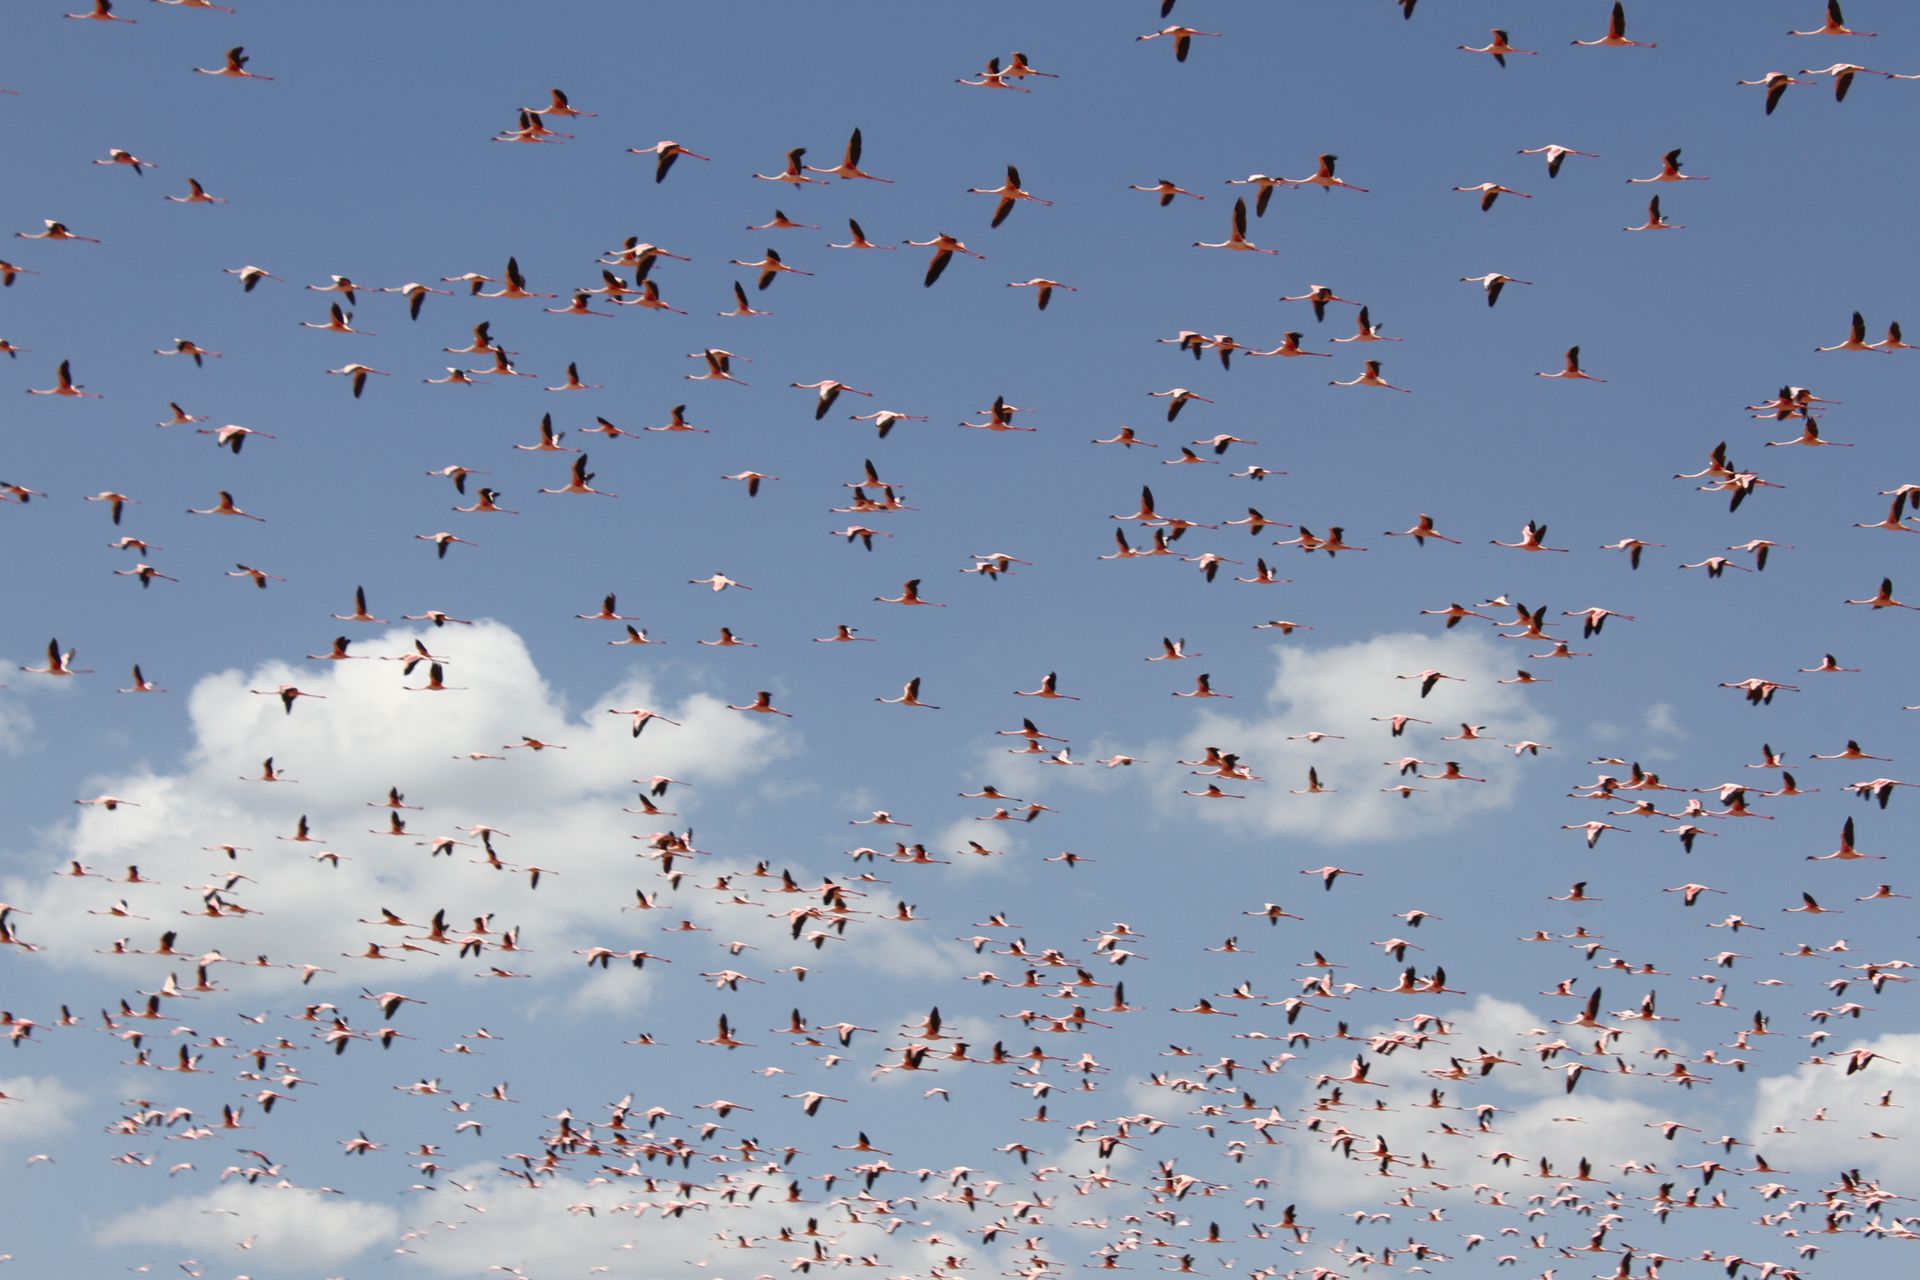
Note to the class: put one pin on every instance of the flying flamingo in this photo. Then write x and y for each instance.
(1556, 156)
(1182, 38)
(849, 166)
(1843, 74)
(944, 247)
(1616, 37)
(1572, 369)
(665, 152)
(1323, 177)
(1776, 83)
(1493, 282)
(1370, 377)
(1238, 240)
(1835, 25)
(859, 238)
(234, 68)
(1497, 47)
(1491, 191)
(1655, 221)
(64, 385)
(1009, 192)
(1166, 191)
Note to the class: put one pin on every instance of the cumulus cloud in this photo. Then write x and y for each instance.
(1337, 691)
(562, 807)
(16, 727)
(273, 1226)
(571, 1227)
(1820, 1120)
(1608, 1120)
(1663, 720)
(38, 1107)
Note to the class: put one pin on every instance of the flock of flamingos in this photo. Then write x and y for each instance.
(828, 1059)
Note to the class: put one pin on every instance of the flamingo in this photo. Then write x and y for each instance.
(515, 285)
(1177, 399)
(886, 419)
(196, 194)
(741, 307)
(1893, 341)
(1009, 192)
(763, 704)
(1290, 346)
(1497, 47)
(1367, 331)
(1421, 531)
(232, 436)
(1776, 83)
(1166, 191)
(55, 230)
(357, 374)
(1883, 598)
(1835, 25)
(64, 385)
(752, 479)
(1670, 171)
(141, 684)
(665, 152)
(1616, 37)
(441, 542)
(1655, 221)
(1323, 177)
(849, 167)
(234, 68)
(944, 247)
(1267, 184)
(794, 174)
(59, 663)
(909, 595)
(1182, 38)
(1556, 156)
(1572, 369)
(859, 238)
(1856, 339)
(338, 321)
(719, 368)
(1018, 68)
(1843, 74)
(909, 697)
(781, 222)
(102, 11)
(117, 156)
(1493, 282)
(1045, 287)
(994, 78)
(1491, 191)
(1370, 377)
(224, 506)
(1238, 240)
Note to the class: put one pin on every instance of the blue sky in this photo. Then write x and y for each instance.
(370, 155)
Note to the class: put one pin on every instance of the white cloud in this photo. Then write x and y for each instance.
(1662, 719)
(292, 1226)
(1606, 1120)
(570, 1227)
(40, 1106)
(1336, 691)
(620, 989)
(1003, 840)
(16, 727)
(342, 754)
(1826, 1118)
